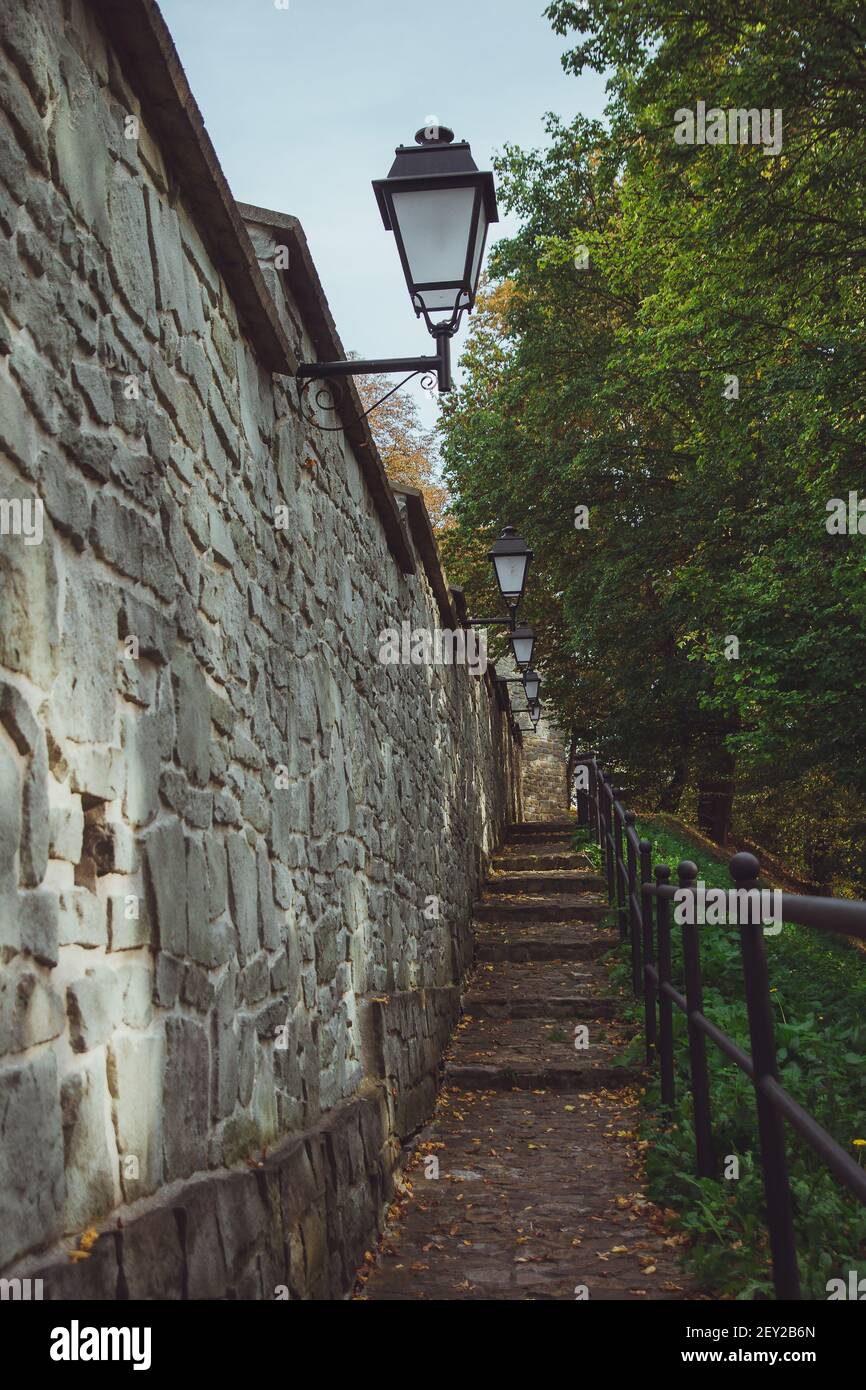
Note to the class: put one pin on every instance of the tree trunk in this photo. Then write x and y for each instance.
(672, 794)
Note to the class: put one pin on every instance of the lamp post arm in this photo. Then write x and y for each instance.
(440, 364)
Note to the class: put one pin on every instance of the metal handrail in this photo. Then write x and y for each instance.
(642, 897)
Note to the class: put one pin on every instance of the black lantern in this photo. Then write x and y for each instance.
(511, 557)
(535, 711)
(439, 207)
(531, 683)
(522, 643)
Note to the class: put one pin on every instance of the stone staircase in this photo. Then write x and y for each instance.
(527, 1183)
(537, 935)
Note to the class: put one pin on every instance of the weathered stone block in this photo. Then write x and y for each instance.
(153, 1258)
(225, 1047)
(28, 604)
(210, 943)
(92, 1186)
(31, 1011)
(136, 982)
(129, 923)
(175, 288)
(93, 382)
(128, 249)
(10, 832)
(165, 856)
(135, 1077)
(243, 884)
(192, 710)
(141, 746)
(66, 831)
(185, 1091)
(95, 772)
(83, 695)
(167, 981)
(82, 919)
(38, 922)
(16, 718)
(93, 1005)
(205, 1261)
(34, 817)
(66, 499)
(32, 1185)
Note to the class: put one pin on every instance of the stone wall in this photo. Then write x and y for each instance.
(237, 853)
(545, 769)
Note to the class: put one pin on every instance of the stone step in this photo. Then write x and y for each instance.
(502, 1006)
(520, 946)
(543, 882)
(561, 907)
(528, 828)
(534, 1052)
(539, 979)
(554, 859)
(574, 1079)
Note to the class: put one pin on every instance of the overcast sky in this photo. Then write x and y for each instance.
(305, 106)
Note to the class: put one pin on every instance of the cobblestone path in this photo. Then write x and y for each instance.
(526, 1183)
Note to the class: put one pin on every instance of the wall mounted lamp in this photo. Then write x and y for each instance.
(439, 207)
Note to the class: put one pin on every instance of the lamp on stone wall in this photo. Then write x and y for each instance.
(511, 556)
(439, 206)
(531, 683)
(522, 643)
(535, 711)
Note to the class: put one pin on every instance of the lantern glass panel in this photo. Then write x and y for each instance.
(522, 643)
(435, 228)
(511, 575)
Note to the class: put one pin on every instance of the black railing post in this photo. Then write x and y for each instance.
(635, 924)
(596, 798)
(607, 817)
(592, 798)
(649, 989)
(704, 1156)
(619, 864)
(666, 1007)
(771, 1127)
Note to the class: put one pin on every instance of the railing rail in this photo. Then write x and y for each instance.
(641, 898)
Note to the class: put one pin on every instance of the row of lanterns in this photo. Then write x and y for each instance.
(510, 557)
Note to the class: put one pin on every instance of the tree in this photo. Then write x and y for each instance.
(408, 450)
(680, 349)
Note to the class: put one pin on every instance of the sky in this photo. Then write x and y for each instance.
(306, 104)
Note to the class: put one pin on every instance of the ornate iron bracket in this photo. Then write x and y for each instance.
(430, 369)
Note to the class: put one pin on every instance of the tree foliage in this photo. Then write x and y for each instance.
(611, 387)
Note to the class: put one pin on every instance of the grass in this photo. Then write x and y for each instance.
(819, 990)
